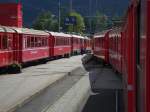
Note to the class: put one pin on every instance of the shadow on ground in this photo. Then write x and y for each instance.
(106, 86)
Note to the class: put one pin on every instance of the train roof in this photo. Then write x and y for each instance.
(115, 32)
(29, 31)
(101, 34)
(59, 34)
(37, 32)
(86, 38)
(78, 36)
(6, 29)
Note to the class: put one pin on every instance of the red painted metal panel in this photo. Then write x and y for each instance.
(129, 58)
(76, 47)
(11, 14)
(35, 54)
(6, 51)
(61, 50)
(6, 58)
(29, 48)
(115, 44)
(148, 58)
(101, 46)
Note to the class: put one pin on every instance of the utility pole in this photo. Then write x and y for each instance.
(70, 6)
(90, 21)
(59, 15)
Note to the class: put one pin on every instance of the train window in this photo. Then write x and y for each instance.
(40, 42)
(58, 41)
(28, 42)
(32, 41)
(0, 42)
(55, 41)
(69, 41)
(43, 42)
(9, 42)
(66, 41)
(4, 42)
(35, 42)
(25, 42)
(62, 41)
(46, 42)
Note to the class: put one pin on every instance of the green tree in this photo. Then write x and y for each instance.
(80, 25)
(97, 23)
(100, 22)
(116, 20)
(46, 21)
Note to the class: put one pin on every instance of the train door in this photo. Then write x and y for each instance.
(143, 58)
(17, 48)
(138, 68)
(51, 46)
(10, 48)
(4, 45)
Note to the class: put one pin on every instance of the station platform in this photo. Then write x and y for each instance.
(106, 94)
(62, 85)
(17, 89)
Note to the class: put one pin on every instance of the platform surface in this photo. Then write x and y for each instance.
(16, 89)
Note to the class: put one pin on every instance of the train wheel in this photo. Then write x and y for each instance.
(67, 55)
(15, 68)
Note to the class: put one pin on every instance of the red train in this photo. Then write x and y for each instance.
(100, 46)
(22, 45)
(129, 54)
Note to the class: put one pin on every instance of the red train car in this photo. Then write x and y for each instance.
(115, 49)
(6, 46)
(31, 45)
(101, 46)
(136, 56)
(143, 57)
(77, 44)
(129, 58)
(60, 44)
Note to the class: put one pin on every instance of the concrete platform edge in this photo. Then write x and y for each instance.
(40, 91)
(74, 99)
